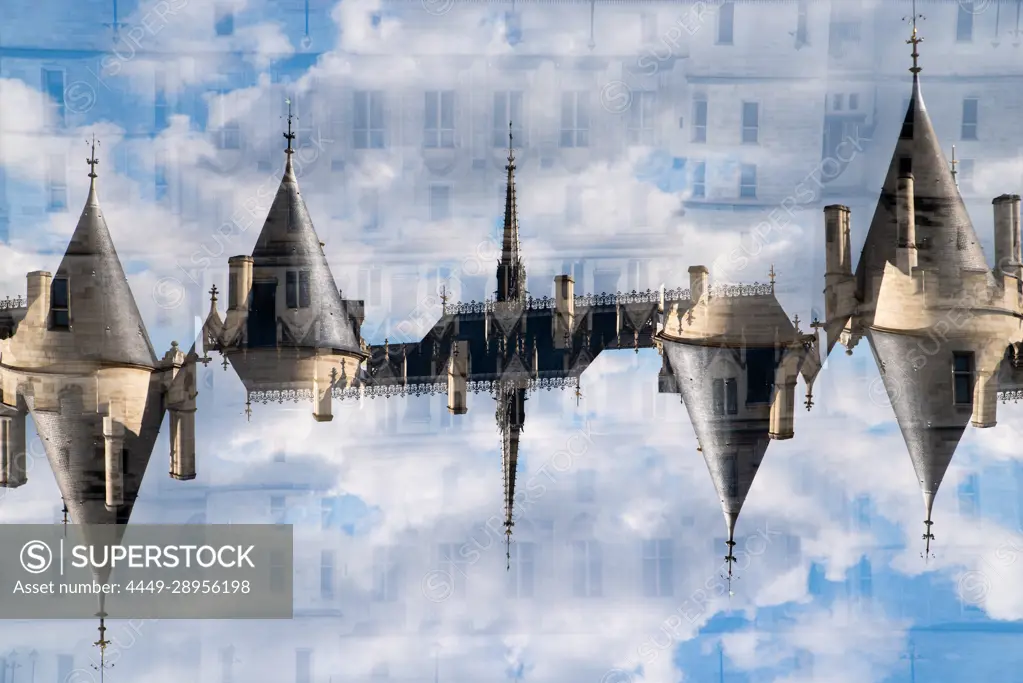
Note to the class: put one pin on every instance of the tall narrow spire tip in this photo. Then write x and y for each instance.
(915, 40)
(290, 135)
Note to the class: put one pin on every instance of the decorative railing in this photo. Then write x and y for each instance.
(1013, 395)
(433, 388)
(649, 296)
(8, 303)
(280, 396)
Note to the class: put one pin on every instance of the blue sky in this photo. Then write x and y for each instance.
(835, 590)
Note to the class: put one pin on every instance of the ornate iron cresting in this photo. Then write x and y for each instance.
(434, 388)
(648, 296)
(1013, 395)
(8, 303)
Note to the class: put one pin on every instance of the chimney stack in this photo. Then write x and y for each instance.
(698, 282)
(1007, 235)
(838, 253)
(906, 254)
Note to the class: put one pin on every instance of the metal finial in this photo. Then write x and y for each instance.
(730, 558)
(444, 300)
(511, 148)
(771, 274)
(248, 409)
(92, 161)
(102, 644)
(213, 293)
(795, 321)
(928, 537)
(289, 136)
(914, 40)
(225, 363)
(809, 399)
(578, 393)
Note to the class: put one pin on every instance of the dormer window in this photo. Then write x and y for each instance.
(297, 288)
(962, 378)
(726, 397)
(60, 308)
(905, 165)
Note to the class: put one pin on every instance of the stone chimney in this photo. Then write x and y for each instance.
(905, 211)
(38, 292)
(699, 284)
(239, 286)
(564, 311)
(113, 440)
(838, 251)
(458, 375)
(1007, 235)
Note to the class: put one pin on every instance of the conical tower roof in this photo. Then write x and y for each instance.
(288, 239)
(73, 440)
(105, 320)
(946, 240)
(511, 416)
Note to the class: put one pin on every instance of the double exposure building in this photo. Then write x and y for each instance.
(77, 358)
(939, 320)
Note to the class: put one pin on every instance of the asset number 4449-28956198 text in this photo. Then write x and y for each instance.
(184, 587)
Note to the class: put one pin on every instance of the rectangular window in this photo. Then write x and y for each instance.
(861, 513)
(865, 578)
(160, 106)
(328, 512)
(969, 127)
(160, 177)
(905, 165)
(439, 126)
(726, 23)
(53, 86)
(648, 27)
(638, 274)
(573, 204)
(750, 123)
(454, 566)
(386, 582)
(699, 179)
(586, 486)
(658, 568)
(508, 109)
(440, 202)
(802, 24)
(700, 121)
(521, 576)
(303, 665)
(962, 374)
(575, 119)
(60, 304)
(228, 130)
(278, 567)
(66, 664)
(368, 130)
(641, 118)
(964, 22)
(56, 183)
(718, 403)
(327, 574)
(277, 507)
(297, 290)
(223, 19)
(731, 396)
(226, 665)
(837, 101)
(369, 209)
(969, 495)
(587, 569)
(605, 281)
(748, 182)
(854, 101)
(964, 175)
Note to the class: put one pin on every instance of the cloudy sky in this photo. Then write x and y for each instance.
(832, 586)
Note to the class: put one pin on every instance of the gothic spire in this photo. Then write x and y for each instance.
(511, 274)
(510, 414)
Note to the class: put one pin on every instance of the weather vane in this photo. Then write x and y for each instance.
(92, 161)
(289, 136)
(102, 644)
(730, 558)
(928, 537)
(914, 40)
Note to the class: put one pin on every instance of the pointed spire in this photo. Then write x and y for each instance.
(511, 274)
(102, 643)
(914, 40)
(730, 519)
